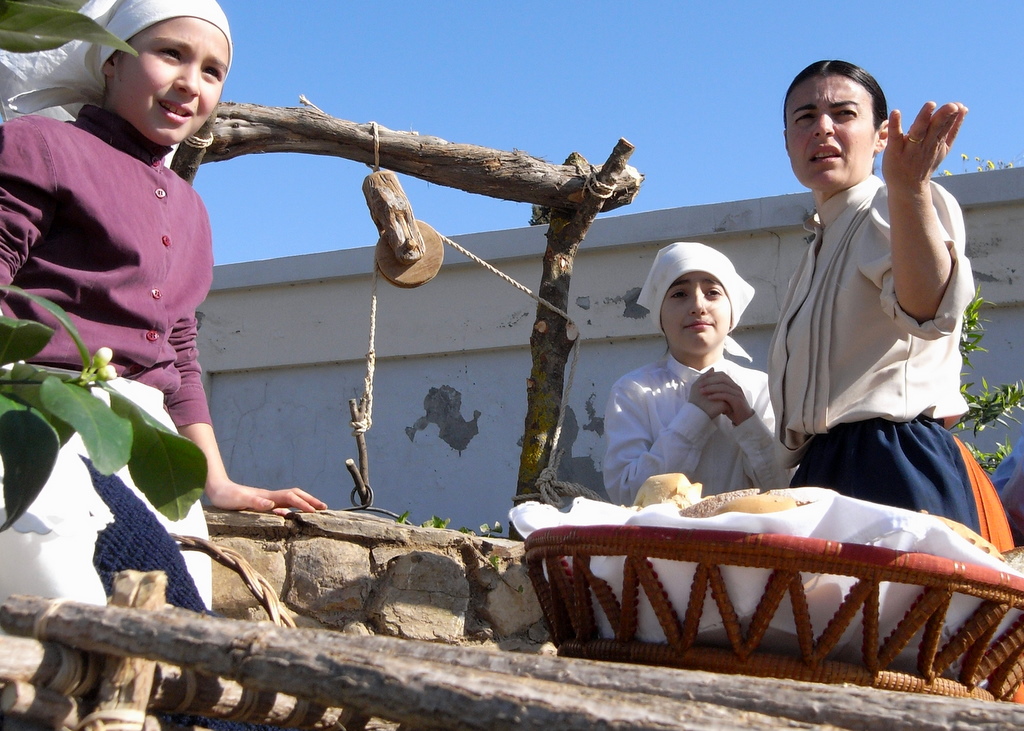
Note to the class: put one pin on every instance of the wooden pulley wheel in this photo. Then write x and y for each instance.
(421, 271)
(409, 252)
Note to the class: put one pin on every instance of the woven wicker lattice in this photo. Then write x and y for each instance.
(960, 625)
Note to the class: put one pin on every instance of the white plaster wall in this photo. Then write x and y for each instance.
(284, 342)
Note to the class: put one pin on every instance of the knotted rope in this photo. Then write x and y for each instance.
(549, 489)
(200, 143)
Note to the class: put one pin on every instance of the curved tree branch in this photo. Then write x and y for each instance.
(242, 129)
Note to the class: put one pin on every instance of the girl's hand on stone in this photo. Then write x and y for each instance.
(230, 495)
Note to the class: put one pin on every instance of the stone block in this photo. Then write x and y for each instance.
(231, 597)
(330, 579)
(511, 606)
(423, 596)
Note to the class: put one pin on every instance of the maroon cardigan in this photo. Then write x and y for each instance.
(91, 219)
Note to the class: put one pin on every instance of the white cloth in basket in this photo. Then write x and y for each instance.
(826, 515)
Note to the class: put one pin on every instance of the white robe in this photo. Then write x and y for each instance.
(49, 550)
(652, 428)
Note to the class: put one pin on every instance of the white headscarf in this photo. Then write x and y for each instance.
(59, 82)
(684, 257)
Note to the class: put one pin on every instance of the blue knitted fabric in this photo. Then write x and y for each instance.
(136, 540)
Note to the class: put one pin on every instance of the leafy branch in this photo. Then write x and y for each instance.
(41, 25)
(41, 408)
(991, 405)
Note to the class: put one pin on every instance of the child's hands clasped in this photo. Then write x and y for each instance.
(716, 394)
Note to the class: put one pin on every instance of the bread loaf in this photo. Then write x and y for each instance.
(673, 488)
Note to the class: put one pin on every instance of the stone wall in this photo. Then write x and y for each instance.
(362, 574)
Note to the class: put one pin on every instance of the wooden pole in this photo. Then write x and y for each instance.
(427, 685)
(126, 681)
(323, 667)
(549, 343)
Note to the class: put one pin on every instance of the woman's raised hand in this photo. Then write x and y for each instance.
(912, 157)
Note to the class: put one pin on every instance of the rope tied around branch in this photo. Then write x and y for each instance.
(200, 143)
(597, 188)
(552, 491)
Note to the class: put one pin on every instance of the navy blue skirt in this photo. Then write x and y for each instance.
(914, 465)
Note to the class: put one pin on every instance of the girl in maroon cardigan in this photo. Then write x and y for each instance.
(91, 219)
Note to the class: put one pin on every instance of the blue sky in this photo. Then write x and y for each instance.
(696, 86)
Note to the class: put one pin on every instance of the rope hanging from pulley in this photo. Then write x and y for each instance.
(408, 254)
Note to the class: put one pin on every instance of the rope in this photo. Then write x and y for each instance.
(363, 424)
(365, 421)
(376, 146)
(570, 325)
(114, 719)
(189, 692)
(200, 143)
(552, 491)
(39, 626)
(75, 674)
(549, 488)
(598, 189)
(245, 706)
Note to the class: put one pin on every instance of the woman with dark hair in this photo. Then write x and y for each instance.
(865, 364)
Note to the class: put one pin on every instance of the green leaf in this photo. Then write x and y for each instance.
(27, 26)
(23, 386)
(168, 468)
(21, 339)
(74, 5)
(57, 312)
(107, 436)
(29, 448)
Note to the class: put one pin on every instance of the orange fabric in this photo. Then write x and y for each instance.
(995, 528)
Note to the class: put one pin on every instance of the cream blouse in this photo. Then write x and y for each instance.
(844, 350)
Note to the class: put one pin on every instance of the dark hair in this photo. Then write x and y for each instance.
(853, 73)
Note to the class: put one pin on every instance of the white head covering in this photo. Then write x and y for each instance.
(684, 257)
(59, 82)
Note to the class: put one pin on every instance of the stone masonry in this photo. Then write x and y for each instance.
(362, 574)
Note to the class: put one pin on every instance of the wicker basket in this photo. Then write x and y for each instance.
(886, 618)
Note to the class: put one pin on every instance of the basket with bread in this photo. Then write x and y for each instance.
(799, 583)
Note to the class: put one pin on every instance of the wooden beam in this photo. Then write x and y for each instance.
(242, 129)
(427, 685)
